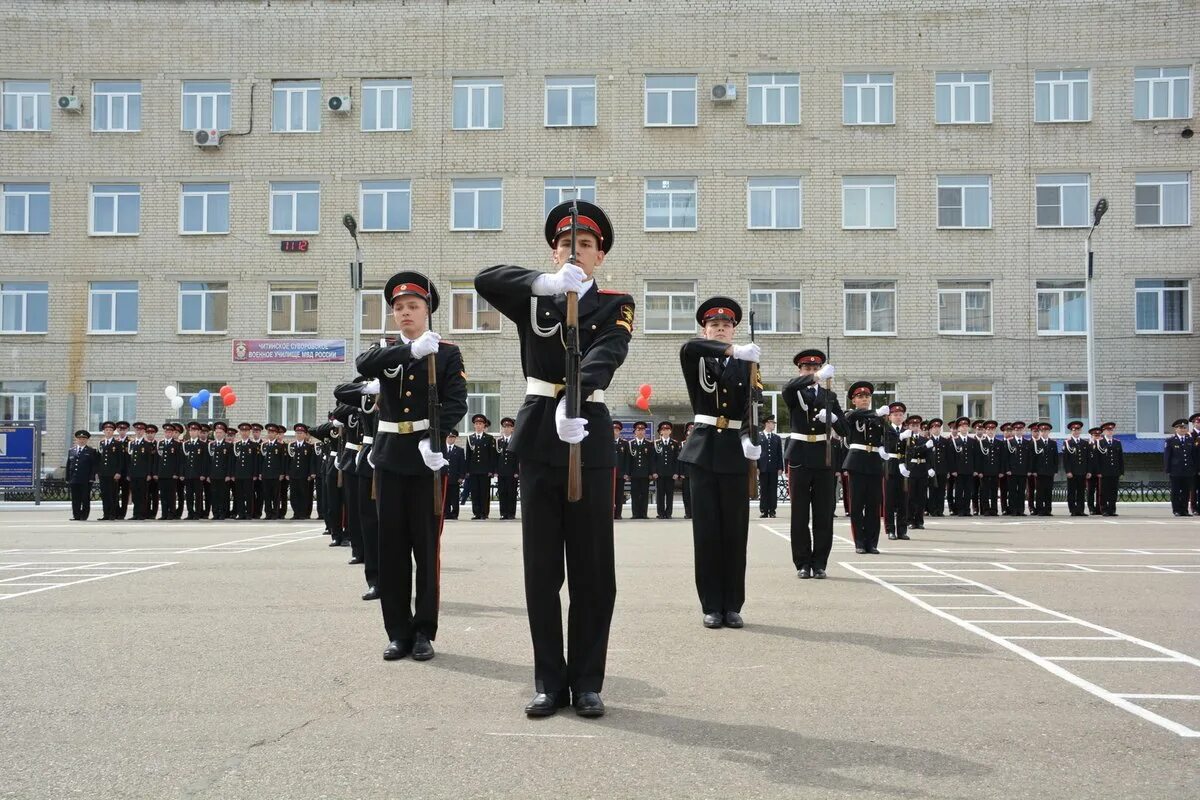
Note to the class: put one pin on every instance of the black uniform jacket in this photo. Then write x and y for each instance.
(803, 407)
(717, 388)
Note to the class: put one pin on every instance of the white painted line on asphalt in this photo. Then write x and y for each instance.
(544, 735)
(1110, 658)
(1064, 638)
(980, 608)
(143, 568)
(952, 594)
(1160, 696)
(1004, 566)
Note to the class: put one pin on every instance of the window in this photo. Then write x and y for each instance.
(26, 105)
(289, 403)
(206, 104)
(295, 207)
(483, 397)
(23, 307)
(964, 201)
(884, 394)
(470, 313)
(1162, 306)
(117, 106)
(774, 99)
(777, 306)
(25, 207)
(203, 307)
(869, 201)
(204, 208)
(111, 400)
(376, 315)
(293, 308)
(387, 105)
(773, 203)
(477, 204)
(1061, 308)
(1160, 404)
(116, 209)
(1059, 403)
(1162, 93)
(964, 307)
(1061, 95)
(1062, 201)
(670, 100)
(478, 104)
(972, 400)
(670, 306)
(868, 98)
(559, 190)
(23, 401)
(670, 204)
(385, 205)
(962, 98)
(296, 106)
(570, 101)
(113, 307)
(1162, 198)
(870, 308)
(213, 409)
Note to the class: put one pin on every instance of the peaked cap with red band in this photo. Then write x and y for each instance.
(719, 308)
(413, 284)
(591, 219)
(859, 388)
(811, 356)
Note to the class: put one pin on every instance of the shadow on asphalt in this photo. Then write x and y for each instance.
(890, 645)
(522, 675)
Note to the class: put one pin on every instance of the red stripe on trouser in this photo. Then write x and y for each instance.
(613, 493)
(882, 495)
(437, 561)
(853, 530)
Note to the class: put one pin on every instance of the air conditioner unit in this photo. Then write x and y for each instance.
(69, 102)
(206, 138)
(340, 103)
(724, 93)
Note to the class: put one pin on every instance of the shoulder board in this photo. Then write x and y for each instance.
(612, 291)
(447, 341)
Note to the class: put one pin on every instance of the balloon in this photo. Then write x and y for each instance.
(644, 390)
(196, 402)
(170, 391)
(643, 403)
(204, 395)
(229, 398)
(226, 389)
(176, 402)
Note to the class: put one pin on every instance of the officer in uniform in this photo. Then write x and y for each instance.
(554, 529)
(111, 467)
(256, 509)
(1076, 453)
(481, 466)
(665, 471)
(1045, 467)
(1017, 458)
(170, 470)
(273, 467)
(141, 465)
(937, 447)
(506, 470)
(768, 468)
(866, 461)
(960, 460)
(205, 498)
(329, 437)
(895, 494)
(152, 479)
(221, 469)
(621, 468)
(1110, 466)
(1179, 462)
(195, 461)
(358, 408)
(245, 469)
(122, 436)
(81, 471)
(1195, 434)
(302, 472)
(987, 465)
(641, 461)
(919, 471)
(456, 468)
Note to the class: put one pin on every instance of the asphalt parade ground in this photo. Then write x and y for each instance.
(985, 658)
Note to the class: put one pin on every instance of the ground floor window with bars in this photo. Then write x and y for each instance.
(289, 403)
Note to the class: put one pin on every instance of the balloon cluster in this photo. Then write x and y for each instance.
(201, 397)
(643, 400)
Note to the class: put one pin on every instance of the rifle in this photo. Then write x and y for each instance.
(574, 357)
(753, 416)
(828, 414)
(435, 411)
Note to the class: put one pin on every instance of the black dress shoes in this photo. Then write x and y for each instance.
(901, 535)
(818, 572)
(804, 573)
(891, 536)
(873, 551)
(345, 543)
(422, 649)
(334, 543)
(860, 550)
(355, 560)
(396, 650)
(545, 704)
(371, 594)
(733, 620)
(712, 621)
(589, 704)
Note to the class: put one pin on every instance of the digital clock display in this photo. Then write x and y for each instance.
(294, 245)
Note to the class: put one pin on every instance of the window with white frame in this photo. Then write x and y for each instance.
(1061, 308)
(964, 307)
(116, 209)
(116, 106)
(470, 313)
(870, 308)
(483, 397)
(478, 104)
(26, 207)
(387, 105)
(1162, 306)
(670, 100)
(206, 105)
(25, 106)
(111, 400)
(884, 394)
(1062, 201)
(1062, 95)
(972, 400)
(570, 101)
(1162, 198)
(289, 403)
(376, 314)
(670, 306)
(296, 106)
(113, 307)
(23, 401)
(213, 408)
(1061, 402)
(560, 190)
(774, 99)
(385, 205)
(477, 204)
(204, 208)
(778, 306)
(964, 201)
(293, 308)
(868, 98)
(670, 204)
(773, 203)
(1162, 93)
(203, 307)
(24, 307)
(1160, 404)
(962, 98)
(295, 207)
(869, 201)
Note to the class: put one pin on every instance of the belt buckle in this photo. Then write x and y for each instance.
(722, 422)
(404, 427)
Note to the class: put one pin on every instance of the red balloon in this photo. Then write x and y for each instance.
(644, 390)
(229, 398)
(643, 403)
(226, 389)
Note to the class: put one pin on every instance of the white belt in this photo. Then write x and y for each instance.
(718, 422)
(541, 388)
(410, 426)
(869, 448)
(353, 446)
(368, 439)
(808, 437)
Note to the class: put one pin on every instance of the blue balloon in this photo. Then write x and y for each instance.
(204, 394)
(196, 402)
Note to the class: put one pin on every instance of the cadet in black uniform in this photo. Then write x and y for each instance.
(81, 471)
(937, 449)
(553, 528)
(1179, 462)
(481, 466)
(272, 467)
(665, 471)
(245, 470)
(456, 468)
(866, 461)
(329, 438)
(152, 481)
(1093, 474)
(141, 466)
(685, 472)
(1016, 456)
(895, 494)
(769, 466)
(1195, 434)
(256, 437)
(621, 468)
(986, 462)
(1045, 467)
(170, 470)
(205, 498)
(122, 436)
(961, 462)
(641, 464)
(302, 472)
(507, 470)
(221, 470)
(360, 400)
(195, 461)
(1110, 466)
(110, 468)
(919, 472)
(1075, 454)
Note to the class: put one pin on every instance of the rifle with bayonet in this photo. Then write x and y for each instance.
(573, 359)
(753, 416)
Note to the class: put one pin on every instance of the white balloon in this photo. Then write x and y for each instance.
(170, 392)
(176, 402)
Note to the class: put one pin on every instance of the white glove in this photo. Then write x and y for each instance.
(371, 386)
(906, 434)
(337, 423)
(882, 411)
(821, 416)
(434, 461)
(929, 444)
(747, 352)
(883, 454)
(931, 472)
(571, 430)
(825, 372)
(904, 470)
(426, 344)
(751, 451)
(570, 278)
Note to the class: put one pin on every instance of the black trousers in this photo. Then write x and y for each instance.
(918, 494)
(81, 500)
(1092, 483)
(720, 529)
(1076, 488)
(453, 487)
(301, 490)
(664, 495)
(205, 499)
(334, 505)
(123, 498)
(987, 494)
(110, 489)
(895, 505)
(168, 503)
(256, 511)
(866, 491)
(618, 494)
(814, 494)
(138, 491)
(481, 495)
(272, 498)
(1196, 495)
(768, 492)
(639, 497)
(960, 503)
(410, 533)
(243, 498)
(1181, 489)
(368, 523)
(219, 495)
(193, 492)
(1015, 494)
(1043, 494)
(686, 488)
(935, 500)
(350, 496)
(152, 502)
(1106, 494)
(506, 491)
(319, 491)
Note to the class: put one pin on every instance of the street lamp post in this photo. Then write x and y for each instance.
(356, 285)
(1097, 213)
